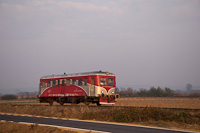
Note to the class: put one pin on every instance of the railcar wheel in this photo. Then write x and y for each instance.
(61, 103)
(50, 102)
(87, 103)
(98, 104)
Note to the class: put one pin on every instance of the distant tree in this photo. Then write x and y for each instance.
(194, 95)
(155, 92)
(8, 97)
(122, 92)
(142, 93)
(129, 92)
(116, 90)
(152, 92)
(189, 88)
(169, 92)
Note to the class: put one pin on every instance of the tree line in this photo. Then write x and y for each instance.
(152, 92)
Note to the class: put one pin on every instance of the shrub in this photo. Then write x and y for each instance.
(8, 97)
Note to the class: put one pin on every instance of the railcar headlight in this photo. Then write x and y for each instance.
(101, 91)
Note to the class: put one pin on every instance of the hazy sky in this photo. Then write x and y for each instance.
(144, 42)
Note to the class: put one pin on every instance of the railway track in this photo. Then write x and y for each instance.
(106, 107)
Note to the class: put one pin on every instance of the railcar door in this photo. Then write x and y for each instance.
(92, 86)
(63, 87)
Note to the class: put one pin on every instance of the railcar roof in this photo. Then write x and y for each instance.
(78, 74)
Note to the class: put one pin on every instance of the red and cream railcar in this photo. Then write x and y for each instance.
(91, 87)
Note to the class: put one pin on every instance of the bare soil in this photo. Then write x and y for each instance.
(163, 102)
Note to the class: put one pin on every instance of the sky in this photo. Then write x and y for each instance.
(144, 42)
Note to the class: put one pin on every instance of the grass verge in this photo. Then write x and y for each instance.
(13, 127)
(169, 118)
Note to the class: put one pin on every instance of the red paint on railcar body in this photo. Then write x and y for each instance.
(95, 87)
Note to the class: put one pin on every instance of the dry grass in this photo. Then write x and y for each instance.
(164, 102)
(168, 118)
(13, 127)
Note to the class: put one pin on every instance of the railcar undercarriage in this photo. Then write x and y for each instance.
(72, 100)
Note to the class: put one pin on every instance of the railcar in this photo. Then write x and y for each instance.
(90, 87)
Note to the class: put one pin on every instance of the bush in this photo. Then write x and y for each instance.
(156, 114)
(194, 95)
(8, 97)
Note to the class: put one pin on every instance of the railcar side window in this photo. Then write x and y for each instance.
(54, 83)
(68, 82)
(73, 81)
(58, 82)
(48, 83)
(63, 82)
(111, 81)
(85, 81)
(103, 81)
(80, 81)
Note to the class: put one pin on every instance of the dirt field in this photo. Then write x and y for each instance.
(13, 127)
(187, 118)
(164, 102)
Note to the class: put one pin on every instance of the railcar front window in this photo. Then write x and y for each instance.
(111, 81)
(85, 81)
(103, 81)
(92, 81)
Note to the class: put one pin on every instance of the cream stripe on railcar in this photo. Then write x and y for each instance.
(43, 89)
(99, 91)
(85, 89)
(111, 90)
